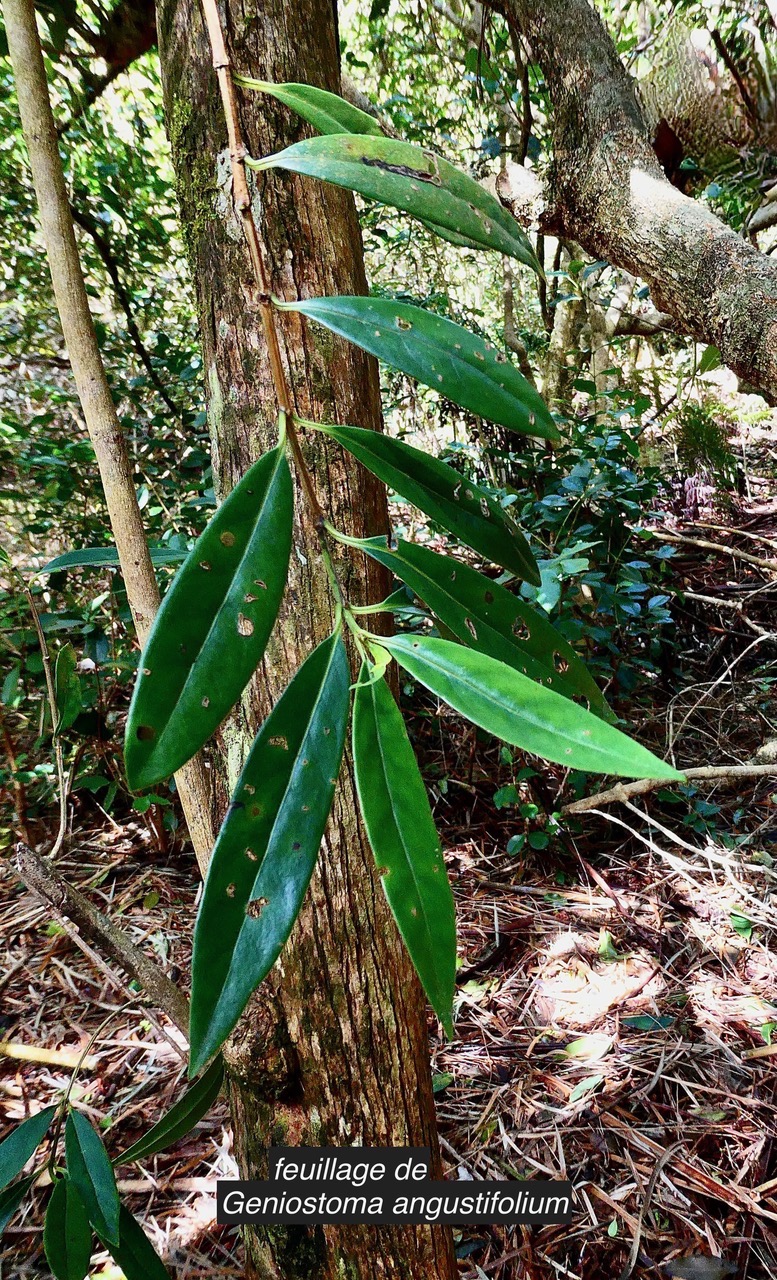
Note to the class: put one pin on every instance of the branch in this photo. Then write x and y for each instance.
(41, 877)
(105, 433)
(708, 773)
(606, 190)
(88, 224)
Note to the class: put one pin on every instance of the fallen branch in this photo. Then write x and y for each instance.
(76, 913)
(705, 545)
(622, 791)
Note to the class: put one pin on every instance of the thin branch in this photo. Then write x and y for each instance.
(683, 540)
(105, 433)
(102, 246)
(42, 878)
(622, 791)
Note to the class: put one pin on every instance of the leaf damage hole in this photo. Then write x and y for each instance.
(252, 857)
(145, 733)
(227, 539)
(484, 507)
(231, 890)
(469, 624)
(582, 701)
(255, 907)
(327, 730)
(250, 789)
(205, 564)
(403, 324)
(249, 599)
(520, 630)
(500, 357)
(306, 808)
(296, 846)
(245, 626)
(560, 662)
(146, 671)
(480, 355)
(258, 583)
(205, 702)
(280, 741)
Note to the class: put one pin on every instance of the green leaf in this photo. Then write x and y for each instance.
(67, 1235)
(486, 616)
(90, 1169)
(213, 626)
(194, 1104)
(327, 112)
(412, 179)
(108, 557)
(134, 1252)
(404, 839)
(710, 359)
(584, 1087)
(20, 1144)
(439, 353)
(67, 687)
(267, 847)
(11, 1197)
(516, 709)
(456, 503)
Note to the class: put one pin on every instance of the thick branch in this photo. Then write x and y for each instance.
(42, 878)
(609, 193)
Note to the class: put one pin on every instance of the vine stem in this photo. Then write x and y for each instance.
(242, 198)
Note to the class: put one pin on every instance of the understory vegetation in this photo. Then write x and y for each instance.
(616, 963)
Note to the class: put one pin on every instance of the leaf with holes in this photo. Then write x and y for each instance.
(20, 1144)
(134, 1252)
(67, 687)
(456, 503)
(326, 111)
(90, 1169)
(488, 617)
(67, 1235)
(518, 710)
(439, 353)
(213, 626)
(267, 847)
(181, 1118)
(404, 839)
(410, 178)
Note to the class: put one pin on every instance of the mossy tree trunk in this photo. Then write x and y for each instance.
(334, 1050)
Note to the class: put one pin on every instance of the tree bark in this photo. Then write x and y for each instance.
(334, 1049)
(606, 190)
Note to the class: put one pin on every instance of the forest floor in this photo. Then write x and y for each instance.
(617, 999)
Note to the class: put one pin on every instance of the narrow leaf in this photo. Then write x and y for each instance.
(326, 111)
(11, 1197)
(194, 1104)
(456, 503)
(67, 687)
(17, 1148)
(516, 709)
(401, 830)
(412, 179)
(134, 1252)
(439, 353)
(267, 847)
(213, 626)
(90, 1169)
(108, 558)
(487, 617)
(67, 1235)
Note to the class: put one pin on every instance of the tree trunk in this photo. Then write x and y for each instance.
(607, 191)
(334, 1049)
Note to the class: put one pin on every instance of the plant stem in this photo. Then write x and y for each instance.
(242, 198)
(51, 693)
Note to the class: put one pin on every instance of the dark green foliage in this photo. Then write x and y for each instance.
(267, 847)
(404, 839)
